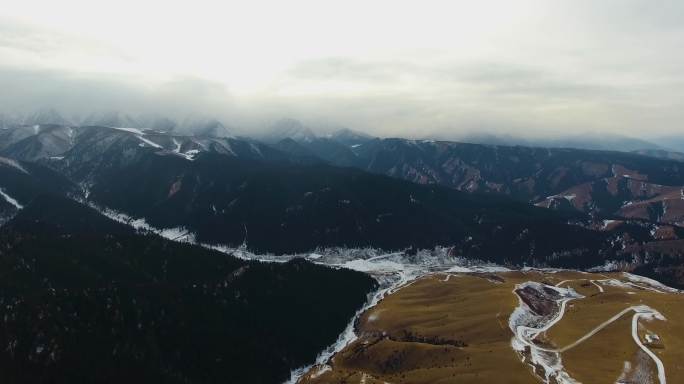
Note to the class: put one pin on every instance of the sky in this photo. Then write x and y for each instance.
(391, 68)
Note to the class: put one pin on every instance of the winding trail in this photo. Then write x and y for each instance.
(635, 336)
(527, 325)
(600, 288)
(553, 367)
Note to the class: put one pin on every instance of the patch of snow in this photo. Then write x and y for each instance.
(13, 164)
(10, 200)
(615, 283)
(130, 130)
(652, 338)
(190, 155)
(254, 149)
(608, 266)
(569, 197)
(177, 144)
(149, 142)
(606, 223)
(368, 266)
(650, 282)
(179, 234)
(489, 268)
(323, 369)
(526, 326)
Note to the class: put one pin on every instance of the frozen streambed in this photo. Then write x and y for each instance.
(393, 271)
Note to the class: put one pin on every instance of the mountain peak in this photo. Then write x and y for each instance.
(203, 126)
(290, 128)
(46, 116)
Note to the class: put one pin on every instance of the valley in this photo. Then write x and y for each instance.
(341, 192)
(437, 255)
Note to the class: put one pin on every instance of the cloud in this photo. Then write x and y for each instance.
(82, 94)
(27, 46)
(440, 68)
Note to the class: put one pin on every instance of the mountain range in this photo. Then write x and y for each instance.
(138, 235)
(297, 191)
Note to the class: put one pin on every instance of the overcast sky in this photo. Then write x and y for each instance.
(411, 68)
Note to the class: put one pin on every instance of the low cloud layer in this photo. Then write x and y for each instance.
(439, 69)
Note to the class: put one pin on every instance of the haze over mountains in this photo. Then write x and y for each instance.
(292, 190)
(283, 128)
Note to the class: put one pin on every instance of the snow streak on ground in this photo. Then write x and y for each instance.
(10, 200)
(13, 164)
(653, 284)
(179, 234)
(183, 235)
(130, 130)
(149, 142)
(527, 325)
(189, 155)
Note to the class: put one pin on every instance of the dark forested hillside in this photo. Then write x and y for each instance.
(603, 183)
(293, 208)
(21, 182)
(88, 300)
(287, 199)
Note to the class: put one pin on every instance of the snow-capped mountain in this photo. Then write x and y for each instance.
(9, 120)
(289, 128)
(36, 142)
(46, 116)
(158, 122)
(202, 126)
(350, 137)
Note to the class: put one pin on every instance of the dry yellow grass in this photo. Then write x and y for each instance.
(436, 331)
